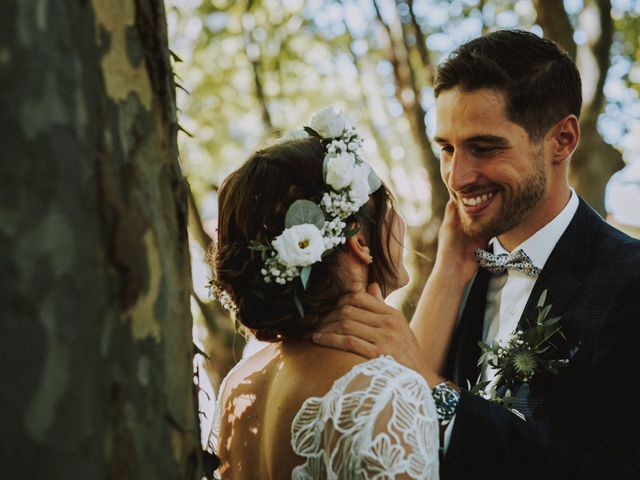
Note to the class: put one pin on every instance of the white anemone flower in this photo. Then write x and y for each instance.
(360, 184)
(299, 245)
(340, 170)
(328, 123)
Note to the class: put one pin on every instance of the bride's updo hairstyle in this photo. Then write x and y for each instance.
(253, 202)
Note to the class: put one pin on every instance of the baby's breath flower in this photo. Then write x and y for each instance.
(520, 357)
(307, 238)
(223, 297)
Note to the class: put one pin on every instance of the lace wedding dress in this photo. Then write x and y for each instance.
(378, 421)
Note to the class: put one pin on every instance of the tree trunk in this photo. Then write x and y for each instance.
(594, 161)
(96, 362)
(424, 239)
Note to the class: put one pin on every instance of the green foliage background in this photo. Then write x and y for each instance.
(250, 70)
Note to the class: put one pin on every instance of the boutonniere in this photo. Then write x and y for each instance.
(525, 353)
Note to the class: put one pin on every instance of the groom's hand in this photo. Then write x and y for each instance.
(365, 325)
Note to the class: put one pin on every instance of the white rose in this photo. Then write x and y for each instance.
(360, 184)
(298, 134)
(328, 123)
(340, 170)
(300, 245)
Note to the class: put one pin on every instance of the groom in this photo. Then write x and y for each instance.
(507, 113)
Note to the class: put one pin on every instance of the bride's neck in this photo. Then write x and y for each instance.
(354, 274)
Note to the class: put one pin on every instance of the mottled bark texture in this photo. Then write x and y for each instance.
(96, 355)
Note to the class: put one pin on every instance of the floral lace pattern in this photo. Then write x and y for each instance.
(378, 421)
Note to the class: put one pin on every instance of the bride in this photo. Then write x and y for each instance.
(301, 224)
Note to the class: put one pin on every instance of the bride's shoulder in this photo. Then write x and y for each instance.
(339, 367)
(383, 367)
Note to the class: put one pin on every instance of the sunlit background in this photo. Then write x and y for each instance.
(248, 71)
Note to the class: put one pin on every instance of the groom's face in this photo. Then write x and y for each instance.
(492, 169)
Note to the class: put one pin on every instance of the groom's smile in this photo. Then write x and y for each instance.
(492, 169)
(477, 202)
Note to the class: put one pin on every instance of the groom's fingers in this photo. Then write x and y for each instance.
(352, 328)
(351, 312)
(347, 343)
(366, 301)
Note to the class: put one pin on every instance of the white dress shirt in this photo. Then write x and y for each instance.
(508, 293)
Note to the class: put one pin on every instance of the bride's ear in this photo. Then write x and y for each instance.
(357, 245)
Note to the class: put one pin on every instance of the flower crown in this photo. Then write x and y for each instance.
(313, 230)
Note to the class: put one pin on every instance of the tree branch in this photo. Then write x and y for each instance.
(409, 95)
(421, 45)
(257, 79)
(555, 23)
(600, 46)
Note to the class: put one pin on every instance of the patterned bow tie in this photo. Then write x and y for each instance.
(518, 261)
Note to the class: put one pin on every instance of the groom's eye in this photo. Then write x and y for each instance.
(484, 150)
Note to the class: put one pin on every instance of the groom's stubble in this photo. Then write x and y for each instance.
(515, 209)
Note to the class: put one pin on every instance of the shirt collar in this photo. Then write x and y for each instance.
(540, 245)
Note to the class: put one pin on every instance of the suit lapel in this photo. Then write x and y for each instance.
(464, 352)
(560, 275)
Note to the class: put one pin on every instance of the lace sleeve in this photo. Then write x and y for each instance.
(378, 421)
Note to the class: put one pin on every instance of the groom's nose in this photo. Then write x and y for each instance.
(462, 171)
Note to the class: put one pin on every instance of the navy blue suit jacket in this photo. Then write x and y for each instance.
(584, 422)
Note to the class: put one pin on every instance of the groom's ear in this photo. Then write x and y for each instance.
(358, 246)
(564, 138)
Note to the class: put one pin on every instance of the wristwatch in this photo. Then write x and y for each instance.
(446, 396)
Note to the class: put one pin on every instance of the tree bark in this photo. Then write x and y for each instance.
(594, 161)
(96, 362)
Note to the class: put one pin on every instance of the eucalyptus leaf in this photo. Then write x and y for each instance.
(477, 388)
(304, 211)
(354, 231)
(304, 276)
(298, 303)
(542, 299)
(312, 132)
(255, 245)
(374, 181)
(482, 358)
(325, 168)
(326, 253)
(551, 321)
(545, 311)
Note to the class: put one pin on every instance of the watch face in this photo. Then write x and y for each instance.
(446, 399)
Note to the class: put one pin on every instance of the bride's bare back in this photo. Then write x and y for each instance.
(261, 399)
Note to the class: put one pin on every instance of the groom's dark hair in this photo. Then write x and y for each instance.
(540, 81)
